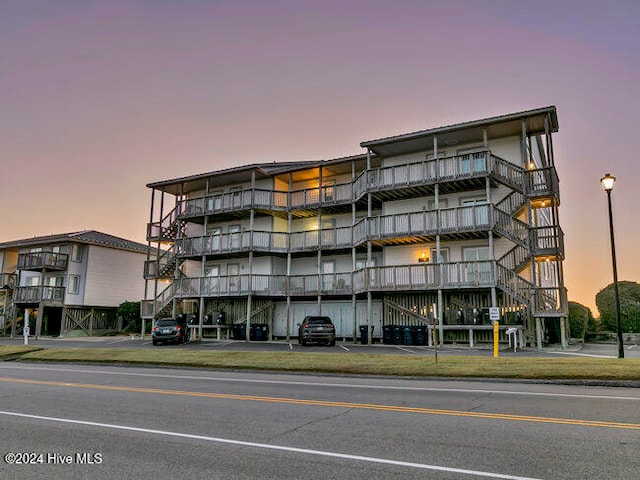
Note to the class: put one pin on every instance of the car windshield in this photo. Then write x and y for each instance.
(318, 320)
(165, 323)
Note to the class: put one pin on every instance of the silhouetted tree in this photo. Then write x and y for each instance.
(629, 293)
(130, 313)
(580, 320)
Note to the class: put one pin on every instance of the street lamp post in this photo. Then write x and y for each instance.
(607, 183)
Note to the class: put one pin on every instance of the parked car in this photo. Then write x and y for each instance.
(317, 329)
(170, 330)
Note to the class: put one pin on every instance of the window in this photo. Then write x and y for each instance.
(442, 203)
(476, 272)
(328, 270)
(477, 215)
(76, 253)
(234, 234)
(328, 191)
(442, 258)
(74, 284)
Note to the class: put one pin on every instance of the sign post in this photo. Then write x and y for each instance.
(494, 316)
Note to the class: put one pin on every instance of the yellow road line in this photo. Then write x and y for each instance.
(323, 403)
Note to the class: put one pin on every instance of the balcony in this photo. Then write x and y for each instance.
(550, 302)
(8, 280)
(50, 295)
(274, 242)
(450, 222)
(429, 172)
(325, 195)
(234, 201)
(428, 276)
(542, 182)
(42, 261)
(164, 230)
(230, 285)
(328, 238)
(547, 241)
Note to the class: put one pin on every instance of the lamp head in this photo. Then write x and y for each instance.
(607, 182)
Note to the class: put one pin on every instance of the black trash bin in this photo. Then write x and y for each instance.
(259, 332)
(397, 335)
(420, 335)
(407, 335)
(387, 334)
(239, 331)
(364, 336)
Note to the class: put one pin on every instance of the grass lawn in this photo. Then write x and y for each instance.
(13, 351)
(366, 364)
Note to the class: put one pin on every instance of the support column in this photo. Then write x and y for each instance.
(248, 329)
(369, 311)
(287, 286)
(369, 261)
(539, 333)
(38, 329)
(563, 333)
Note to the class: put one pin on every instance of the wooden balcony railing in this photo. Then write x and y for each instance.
(424, 223)
(328, 194)
(550, 300)
(53, 295)
(232, 242)
(42, 261)
(161, 267)
(547, 240)
(165, 229)
(393, 278)
(542, 182)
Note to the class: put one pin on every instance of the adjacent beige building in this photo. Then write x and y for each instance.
(68, 282)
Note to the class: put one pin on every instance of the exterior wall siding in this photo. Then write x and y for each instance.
(113, 276)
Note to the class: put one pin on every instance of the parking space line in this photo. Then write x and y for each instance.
(405, 349)
(342, 346)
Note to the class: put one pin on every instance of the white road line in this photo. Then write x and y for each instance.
(119, 341)
(146, 343)
(342, 346)
(405, 349)
(283, 448)
(9, 366)
(575, 354)
(632, 346)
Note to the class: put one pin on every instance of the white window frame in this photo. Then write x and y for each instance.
(74, 284)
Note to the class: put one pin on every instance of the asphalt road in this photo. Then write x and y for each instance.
(595, 350)
(181, 423)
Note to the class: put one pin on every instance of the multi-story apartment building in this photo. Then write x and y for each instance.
(441, 223)
(66, 282)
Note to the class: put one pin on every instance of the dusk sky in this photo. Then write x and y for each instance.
(99, 98)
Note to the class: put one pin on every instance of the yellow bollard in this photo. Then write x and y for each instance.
(496, 333)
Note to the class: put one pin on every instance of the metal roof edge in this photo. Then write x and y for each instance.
(474, 123)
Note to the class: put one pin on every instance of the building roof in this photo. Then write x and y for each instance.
(89, 237)
(494, 127)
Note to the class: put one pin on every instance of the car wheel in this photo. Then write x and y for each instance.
(332, 343)
(303, 342)
(154, 342)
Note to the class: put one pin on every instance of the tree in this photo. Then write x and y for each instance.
(580, 320)
(629, 293)
(130, 313)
